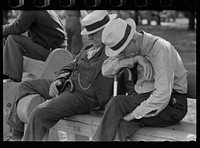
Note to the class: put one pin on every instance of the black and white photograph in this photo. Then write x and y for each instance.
(98, 75)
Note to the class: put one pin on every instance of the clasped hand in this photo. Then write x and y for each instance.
(148, 70)
(53, 90)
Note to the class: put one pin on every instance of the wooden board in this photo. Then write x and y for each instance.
(86, 125)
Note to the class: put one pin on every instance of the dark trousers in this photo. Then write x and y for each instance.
(47, 114)
(17, 46)
(119, 106)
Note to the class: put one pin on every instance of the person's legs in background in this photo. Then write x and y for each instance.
(17, 46)
(37, 86)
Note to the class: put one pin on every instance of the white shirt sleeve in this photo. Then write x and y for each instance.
(113, 64)
(162, 63)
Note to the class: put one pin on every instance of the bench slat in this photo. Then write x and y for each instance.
(183, 126)
(164, 133)
(86, 125)
(75, 127)
(94, 121)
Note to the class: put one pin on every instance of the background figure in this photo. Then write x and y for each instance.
(45, 33)
(5, 17)
(73, 28)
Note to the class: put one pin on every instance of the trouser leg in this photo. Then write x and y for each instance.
(113, 115)
(73, 28)
(47, 114)
(120, 106)
(171, 114)
(17, 46)
(38, 86)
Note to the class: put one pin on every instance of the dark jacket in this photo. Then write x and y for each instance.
(44, 27)
(103, 85)
(73, 28)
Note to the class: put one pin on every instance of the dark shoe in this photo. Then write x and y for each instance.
(5, 77)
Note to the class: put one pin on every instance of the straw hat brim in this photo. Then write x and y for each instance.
(85, 32)
(112, 53)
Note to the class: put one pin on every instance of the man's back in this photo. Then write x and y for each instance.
(44, 27)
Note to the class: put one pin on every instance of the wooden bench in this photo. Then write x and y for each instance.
(83, 127)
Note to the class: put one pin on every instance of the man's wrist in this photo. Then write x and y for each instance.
(134, 59)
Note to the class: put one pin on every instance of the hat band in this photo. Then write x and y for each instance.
(123, 40)
(98, 24)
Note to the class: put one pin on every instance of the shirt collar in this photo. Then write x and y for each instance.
(146, 42)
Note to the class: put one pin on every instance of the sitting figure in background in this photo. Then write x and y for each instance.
(45, 33)
(159, 100)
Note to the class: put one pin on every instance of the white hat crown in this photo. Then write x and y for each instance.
(117, 34)
(95, 21)
(94, 17)
(111, 36)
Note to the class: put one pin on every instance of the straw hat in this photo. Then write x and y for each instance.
(96, 21)
(117, 35)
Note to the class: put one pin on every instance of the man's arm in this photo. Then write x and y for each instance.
(65, 72)
(164, 80)
(20, 25)
(112, 65)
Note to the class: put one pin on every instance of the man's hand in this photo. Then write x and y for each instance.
(53, 90)
(148, 70)
(129, 117)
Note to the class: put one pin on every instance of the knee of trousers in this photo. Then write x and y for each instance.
(39, 115)
(12, 38)
(114, 102)
(23, 86)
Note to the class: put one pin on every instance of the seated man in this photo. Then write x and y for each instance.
(46, 33)
(78, 88)
(159, 101)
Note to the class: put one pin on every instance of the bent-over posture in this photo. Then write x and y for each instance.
(160, 99)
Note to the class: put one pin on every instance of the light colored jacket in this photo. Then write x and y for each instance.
(169, 74)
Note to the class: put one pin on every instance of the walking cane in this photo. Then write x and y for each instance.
(116, 79)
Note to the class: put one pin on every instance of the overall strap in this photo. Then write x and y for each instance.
(153, 43)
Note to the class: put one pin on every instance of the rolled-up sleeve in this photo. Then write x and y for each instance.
(163, 66)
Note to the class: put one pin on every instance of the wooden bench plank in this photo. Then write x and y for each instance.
(165, 134)
(86, 125)
(184, 126)
(94, 121)
(75, 127)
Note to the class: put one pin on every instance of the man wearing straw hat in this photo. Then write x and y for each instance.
(160, 99)
(86, 87)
